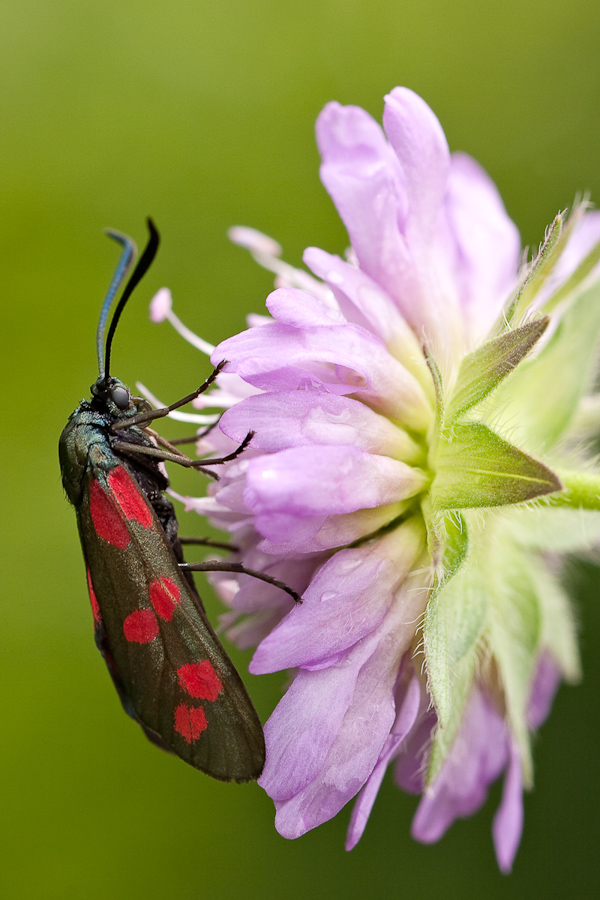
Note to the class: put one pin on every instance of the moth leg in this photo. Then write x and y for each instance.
(192, 439)
(170, 445)
(208, 542)
(221, 566)
(234, 455)
(140, 450)
(160, 413)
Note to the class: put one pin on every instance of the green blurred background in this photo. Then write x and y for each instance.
(201, 114)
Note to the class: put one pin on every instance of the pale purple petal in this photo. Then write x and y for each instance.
(343, 359)
(353, 754)
(483, 249)
(317, 533)
(301, 309)
(357, 606)
(231, 495)
(363, 177)
(307, 721)
(409, 707)
(420, 144)
(508, 821)
(411, 764)
(287, 532)
(254, 595)
(327, 480)
(249, 631)
(351, 758)
(230, 389)
(477, 757)
(390, 203)
(544, 688)
(285, 419)
(361, 299)
(353, 591)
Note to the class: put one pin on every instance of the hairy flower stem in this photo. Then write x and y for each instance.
(582, 490)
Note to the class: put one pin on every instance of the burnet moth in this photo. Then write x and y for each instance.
(169, 668)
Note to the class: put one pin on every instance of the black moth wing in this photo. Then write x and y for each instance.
(224, 739)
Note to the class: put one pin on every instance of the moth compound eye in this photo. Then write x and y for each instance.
(120, 397)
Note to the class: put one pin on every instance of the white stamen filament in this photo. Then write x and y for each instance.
(188, 335)
(265, 251)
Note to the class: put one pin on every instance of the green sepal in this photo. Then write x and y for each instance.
(584, 268)
(477, 468)
(447, 543)
(438, 386)
(513, 633)
(453, 624)
(482, 371)
(541, 398)
(462, 679)
(541, 266)
(558, 629)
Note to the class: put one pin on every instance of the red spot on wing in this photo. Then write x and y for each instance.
(200, 680)
(164, 597)
(108, 523)
(190, 722)
(141, 626)
(93, 601)
(128, 496)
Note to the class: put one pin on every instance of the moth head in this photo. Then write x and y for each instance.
(111, 390)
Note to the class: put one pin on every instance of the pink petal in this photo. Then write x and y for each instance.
(351, 756)
(361, 299)
(345, 601)
(291, 306)
(476, 759)
(485, 248)
(287, 419)
(405, 720)
(508, 821)
(328, 480)
(307, 721)
(363, 177)
(347, 718)
(318, 533)
(419, 142)
(544, 688)
(341, 359)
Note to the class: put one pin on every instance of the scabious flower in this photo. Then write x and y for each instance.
(418, 466)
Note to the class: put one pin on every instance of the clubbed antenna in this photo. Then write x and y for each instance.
(127, 256)
(138, 273)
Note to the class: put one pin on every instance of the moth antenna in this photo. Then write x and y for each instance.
(144, 263)
(127, 256)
